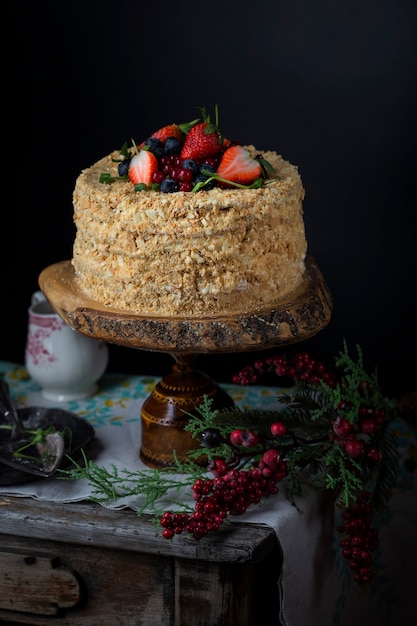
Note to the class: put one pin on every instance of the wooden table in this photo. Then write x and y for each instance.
(81, 564)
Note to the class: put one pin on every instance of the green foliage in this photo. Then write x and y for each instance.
(354, 389)
(312, 453)
(151, 485)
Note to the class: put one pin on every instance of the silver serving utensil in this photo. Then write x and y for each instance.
(20, 449)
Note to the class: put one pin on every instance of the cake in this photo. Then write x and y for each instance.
(225, 237)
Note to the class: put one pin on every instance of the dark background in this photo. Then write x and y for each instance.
(329, 85)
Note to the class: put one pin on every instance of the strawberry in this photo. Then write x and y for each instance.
(203, 141)
(141, 168)
(238, 166)
(226, 143)
(171, 130)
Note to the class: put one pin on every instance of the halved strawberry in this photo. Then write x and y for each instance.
(238, 166)
(202, 141)
(141, 168)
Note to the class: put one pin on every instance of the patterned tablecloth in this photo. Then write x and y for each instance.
(314, 585)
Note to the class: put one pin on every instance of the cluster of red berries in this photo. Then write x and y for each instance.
(182, 172)
(299, 367)
(354, 437)
(359, 539)
(232, 490)
(228, 494)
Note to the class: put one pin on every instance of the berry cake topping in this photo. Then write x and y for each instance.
(189, 157)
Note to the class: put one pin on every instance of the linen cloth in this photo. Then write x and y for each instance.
(314, 583)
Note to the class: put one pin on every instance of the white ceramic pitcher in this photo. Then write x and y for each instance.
(65, 363)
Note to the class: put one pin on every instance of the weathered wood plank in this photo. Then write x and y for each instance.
(35, 583)
(114, 568)
(117, 587)
(224, 593)
(87, 523)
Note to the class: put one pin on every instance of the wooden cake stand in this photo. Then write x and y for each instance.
(164, 411)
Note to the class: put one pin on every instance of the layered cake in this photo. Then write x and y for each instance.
(187, 223)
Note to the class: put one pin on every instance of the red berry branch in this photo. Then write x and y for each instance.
(359, 539)
(333, 425)
(328, 432)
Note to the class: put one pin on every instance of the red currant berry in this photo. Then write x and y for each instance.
(185, 186)
(278, 429)
(374, 455)
(218, 467)
(355, 448)
(380, 415)
(236, 437)
(158, 177)
(185, 175)
(369, 425)
(271, 457)
(166, 520)
(168, 533)
(249, 438)
(341, 426)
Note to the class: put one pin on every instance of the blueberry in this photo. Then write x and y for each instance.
(211, 437)
(201, 178)
(153, 143)
(123, 167)
(155, 146)
(168, 185)
(190, 164)
(172, 146)
(208, 168)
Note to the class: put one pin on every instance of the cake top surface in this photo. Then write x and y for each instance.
(184, 160)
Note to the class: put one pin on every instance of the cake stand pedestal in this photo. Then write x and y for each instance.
(164, 412)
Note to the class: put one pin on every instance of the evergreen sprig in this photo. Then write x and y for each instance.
(150, 485)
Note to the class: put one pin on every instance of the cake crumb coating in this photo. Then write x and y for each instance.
(211, 252)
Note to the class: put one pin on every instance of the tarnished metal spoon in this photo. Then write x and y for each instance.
(22, 450)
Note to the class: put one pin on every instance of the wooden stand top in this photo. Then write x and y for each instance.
(293, 320)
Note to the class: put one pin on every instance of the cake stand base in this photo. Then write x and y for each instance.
(164, 413)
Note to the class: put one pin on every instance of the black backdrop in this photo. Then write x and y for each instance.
(329, 85)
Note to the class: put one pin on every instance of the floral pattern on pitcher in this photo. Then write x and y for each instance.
(36, 346)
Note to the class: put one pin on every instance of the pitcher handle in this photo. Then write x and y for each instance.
(37, 296)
